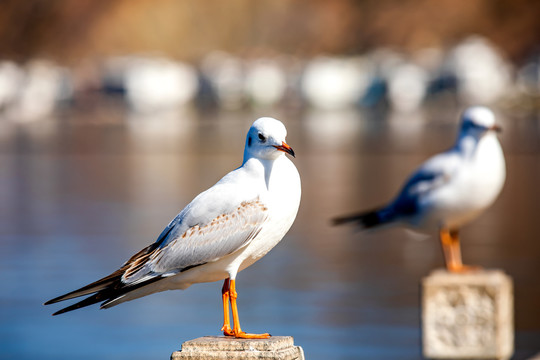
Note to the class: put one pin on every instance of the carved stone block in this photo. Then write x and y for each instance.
(467, 316)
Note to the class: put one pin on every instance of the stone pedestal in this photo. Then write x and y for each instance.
(467, 316)
(220, 347)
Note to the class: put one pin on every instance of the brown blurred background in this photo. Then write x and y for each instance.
(67, 31)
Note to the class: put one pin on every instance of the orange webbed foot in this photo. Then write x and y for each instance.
(244, 335)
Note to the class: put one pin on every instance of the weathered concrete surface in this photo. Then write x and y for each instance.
(220, 347)
(467, 316)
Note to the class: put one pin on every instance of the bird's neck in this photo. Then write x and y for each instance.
(467, 145)
(247, 156)
(262, 167)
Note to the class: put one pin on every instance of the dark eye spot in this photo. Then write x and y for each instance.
(262, 137)
(249, 141)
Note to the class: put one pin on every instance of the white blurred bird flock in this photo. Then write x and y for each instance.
(237, 221)
(221, 232)
(450, 189)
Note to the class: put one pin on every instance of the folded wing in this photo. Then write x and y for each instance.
(433, 175)
(183, 245)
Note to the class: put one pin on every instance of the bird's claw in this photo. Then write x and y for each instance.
(227, 331)
(244, 335)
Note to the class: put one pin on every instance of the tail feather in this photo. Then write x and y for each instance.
(367, 219)
(112, 292)
(93, 299)
(90, 288)
(111, 288)
(102, 286)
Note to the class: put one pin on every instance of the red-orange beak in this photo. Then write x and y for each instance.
(285, 148)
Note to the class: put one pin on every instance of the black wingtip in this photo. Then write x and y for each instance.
(365, 220)
(90, 300)
(339, 221)
(52, 301)
(63, 311)
(76, 306)
(59, 299)
(58, 312)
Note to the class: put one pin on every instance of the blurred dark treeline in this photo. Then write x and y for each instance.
(67, 31)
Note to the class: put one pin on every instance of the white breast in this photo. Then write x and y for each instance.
(283, 199)
(476, 185)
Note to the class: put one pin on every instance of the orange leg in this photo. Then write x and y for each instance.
(227, 331)
(237, 331)
(452, 251)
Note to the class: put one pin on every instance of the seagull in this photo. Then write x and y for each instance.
(222, 231)
(450, 189)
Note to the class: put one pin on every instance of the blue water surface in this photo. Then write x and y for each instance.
(79, 197)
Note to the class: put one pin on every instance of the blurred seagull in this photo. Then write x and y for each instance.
(450, 189)
(221, 232)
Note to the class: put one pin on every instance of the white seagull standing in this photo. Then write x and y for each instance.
(221, 232)
(450, 189)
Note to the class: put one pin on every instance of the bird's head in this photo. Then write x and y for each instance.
(266, 140)
(478, 121)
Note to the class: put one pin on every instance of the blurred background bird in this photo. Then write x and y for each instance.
(450, 189)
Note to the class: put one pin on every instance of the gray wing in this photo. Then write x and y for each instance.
(218, 222)
(428, 178)
(418, 189)
(182, 245)
(175, 251)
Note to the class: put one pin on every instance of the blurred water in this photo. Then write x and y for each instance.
(83, 191)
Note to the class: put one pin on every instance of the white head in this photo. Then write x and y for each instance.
(266, 140)
(478, 121)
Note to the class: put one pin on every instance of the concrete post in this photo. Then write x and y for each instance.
(468, 315)
(220, 347)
